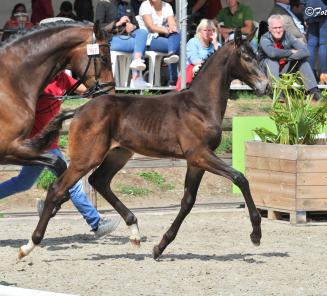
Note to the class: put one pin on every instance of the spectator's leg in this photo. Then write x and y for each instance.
(24, 181)
(81, 200)
(122, 43)
(271, 68)
(313, 41)
(140, 36)
(323, 46)
(173, 47)
(309, 79)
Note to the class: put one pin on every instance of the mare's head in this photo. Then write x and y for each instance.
(93, 65)
(244, 65)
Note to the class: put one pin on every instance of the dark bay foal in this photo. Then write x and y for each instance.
(188, 124)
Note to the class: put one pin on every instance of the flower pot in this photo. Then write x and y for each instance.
(288, 179)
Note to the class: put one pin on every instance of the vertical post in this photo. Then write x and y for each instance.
(182, 18)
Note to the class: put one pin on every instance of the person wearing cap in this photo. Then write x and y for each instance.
(292, 24)
(66, 10)
(18, 21)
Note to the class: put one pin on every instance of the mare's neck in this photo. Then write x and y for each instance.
(40, 59)
(211, 85)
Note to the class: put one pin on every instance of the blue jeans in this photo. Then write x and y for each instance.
(168, 44)
(28, 176)
(317, 37)
(136, 42)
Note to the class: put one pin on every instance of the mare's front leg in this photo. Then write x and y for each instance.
(101, 179)
(207, 160)
(192, 182)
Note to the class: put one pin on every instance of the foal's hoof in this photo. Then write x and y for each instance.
(156, 252)
(21, 254)
(136, 243)
(255, 238)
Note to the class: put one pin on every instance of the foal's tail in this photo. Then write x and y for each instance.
(44, 139)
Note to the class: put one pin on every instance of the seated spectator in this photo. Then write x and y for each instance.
(66, 10)
(297, 8)
(198, 48)
(235, 15)
(212, 9)
(84, 10)
(196, 11)
(317, 36)
(157, 17)
(133, 38)
(292, 23)
(281, 52)
(17, 22)
(41, 9)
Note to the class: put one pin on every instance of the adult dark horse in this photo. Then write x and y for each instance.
(185, 124)
(27, 64)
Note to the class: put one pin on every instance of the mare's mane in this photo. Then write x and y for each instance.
(40, 28)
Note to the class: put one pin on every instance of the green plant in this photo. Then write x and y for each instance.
(45, 180)
(63, 141)
(156, 179)
(298, 120)
(74, 103)
(132, 190)
(226, 144)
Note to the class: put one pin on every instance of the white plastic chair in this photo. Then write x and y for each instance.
(120, 66)
(155, 58)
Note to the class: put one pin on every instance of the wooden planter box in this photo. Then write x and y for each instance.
(287, 178)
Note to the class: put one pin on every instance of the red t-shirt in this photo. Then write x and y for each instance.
(282, 62)
(48, 106)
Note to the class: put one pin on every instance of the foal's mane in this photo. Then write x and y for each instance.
(40, 28)
(206, 62)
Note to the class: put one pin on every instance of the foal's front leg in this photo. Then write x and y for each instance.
(58, 166)
(57, 194)
(192, 182)
(210, 162)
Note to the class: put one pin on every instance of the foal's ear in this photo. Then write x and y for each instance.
(97, 30)
(238, 37)
(251, 35)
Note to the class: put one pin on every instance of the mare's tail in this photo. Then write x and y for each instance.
(44, 139)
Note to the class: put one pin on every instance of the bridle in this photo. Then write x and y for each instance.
(98, 88)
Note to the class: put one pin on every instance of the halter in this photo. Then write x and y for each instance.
(97, 88)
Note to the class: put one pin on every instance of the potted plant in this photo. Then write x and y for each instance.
(287, 169)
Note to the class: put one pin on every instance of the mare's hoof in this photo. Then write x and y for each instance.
(156, 252)
(136, 243)
(255, 239)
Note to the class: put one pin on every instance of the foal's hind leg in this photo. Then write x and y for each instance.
(207, 160)
(100, 181)
(192, 182)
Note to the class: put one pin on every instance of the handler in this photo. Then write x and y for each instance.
(47, 107)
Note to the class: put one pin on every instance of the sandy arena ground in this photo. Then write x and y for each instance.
(212, 255)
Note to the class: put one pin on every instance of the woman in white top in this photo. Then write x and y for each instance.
(157, 17)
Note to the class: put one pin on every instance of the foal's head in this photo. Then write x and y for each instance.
(244, 64)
